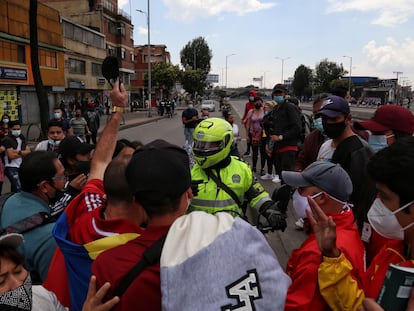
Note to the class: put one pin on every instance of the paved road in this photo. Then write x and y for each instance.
(172, 130)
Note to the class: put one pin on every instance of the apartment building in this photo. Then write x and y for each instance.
(18, 96)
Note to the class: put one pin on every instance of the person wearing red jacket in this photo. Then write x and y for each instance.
(249, 106)
(391, 215)
(329, 185)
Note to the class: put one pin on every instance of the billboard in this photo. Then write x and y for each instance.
(212, 78)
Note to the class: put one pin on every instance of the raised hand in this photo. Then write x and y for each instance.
(324, 229)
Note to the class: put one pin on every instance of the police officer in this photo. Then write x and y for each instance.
(222, 182)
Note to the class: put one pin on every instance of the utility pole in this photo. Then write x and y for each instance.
(398, 73)
(283, 64)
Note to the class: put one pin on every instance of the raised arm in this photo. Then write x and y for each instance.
(107, 141)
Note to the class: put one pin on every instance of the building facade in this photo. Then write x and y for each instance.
(158, 54)
(105, 17)
(17, 92)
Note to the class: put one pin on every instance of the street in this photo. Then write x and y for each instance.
(172, 130)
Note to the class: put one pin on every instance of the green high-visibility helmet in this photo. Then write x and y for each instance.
(213, 139)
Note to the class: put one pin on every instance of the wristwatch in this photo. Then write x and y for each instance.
(280, 137)
(118, 109)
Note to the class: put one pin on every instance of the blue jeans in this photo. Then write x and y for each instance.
(12, 174)
(188, 134)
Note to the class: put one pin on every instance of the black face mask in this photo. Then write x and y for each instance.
(83, 167)
(258, 106)
(333, 130)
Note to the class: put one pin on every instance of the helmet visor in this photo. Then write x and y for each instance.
(207, 148)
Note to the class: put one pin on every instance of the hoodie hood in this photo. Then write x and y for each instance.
(253, 93)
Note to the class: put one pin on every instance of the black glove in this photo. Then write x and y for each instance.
(276, 220)
(194, 186)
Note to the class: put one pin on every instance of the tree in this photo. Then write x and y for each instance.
(197, 55)
(339, 83)
(326, 72)
(34, 53)
(302, 80)
(163, 76)
(193, 81)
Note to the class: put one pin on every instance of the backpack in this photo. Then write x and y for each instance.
(25, 224)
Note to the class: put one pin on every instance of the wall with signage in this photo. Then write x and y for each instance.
(9, 102)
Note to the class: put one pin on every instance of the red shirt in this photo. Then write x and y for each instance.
(86, 225)
(304, 262)
(390, 253)
(249, 106)
(144, 293)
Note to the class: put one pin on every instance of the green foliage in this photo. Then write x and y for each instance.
(302, 80)
(339, 83)
(163, 75)
(326, 72)
(197, 55)
(193, 81)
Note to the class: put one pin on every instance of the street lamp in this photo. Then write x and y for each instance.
(283, 63)
(227, 56)
(350, 73)
(148, 56)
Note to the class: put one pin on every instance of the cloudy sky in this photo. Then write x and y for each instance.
(377, 34)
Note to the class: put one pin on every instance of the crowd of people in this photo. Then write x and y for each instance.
(118, 225)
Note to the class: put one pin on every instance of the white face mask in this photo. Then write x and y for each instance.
(301, 204)
(385, 222)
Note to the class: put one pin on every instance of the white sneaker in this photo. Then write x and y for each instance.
(299, 224)
(266, 177)
(276, 179)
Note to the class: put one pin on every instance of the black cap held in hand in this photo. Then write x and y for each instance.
(110, 69)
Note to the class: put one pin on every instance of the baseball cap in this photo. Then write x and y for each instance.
(279, 88)
(333, 106)
(329, 177)
(159, 168)
(389, 117)
(72, 145)
(11, 239)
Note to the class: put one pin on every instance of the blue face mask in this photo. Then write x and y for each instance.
(54, 142)
(278, 99)
(251, 99)
(190, 106)
(378, 142)
(317, 124)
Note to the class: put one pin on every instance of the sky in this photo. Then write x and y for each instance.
(376, 34)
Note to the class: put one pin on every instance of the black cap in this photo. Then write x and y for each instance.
(72, 145)
(160, 168)
(278, 88)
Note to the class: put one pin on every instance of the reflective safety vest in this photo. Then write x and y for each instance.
(238, 177)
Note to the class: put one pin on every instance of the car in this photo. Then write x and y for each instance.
(208, 104)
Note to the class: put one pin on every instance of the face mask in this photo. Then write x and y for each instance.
(16, 133)
(278, 99)
(378, 142)
(6, 121)
(333, 130)
(317, 124)
(57, 115)
(19, 298)
(83, 167)
(190, 106)
(257, 106)
(78, 115)
(54, 142)
(251, 98)
(300, 203)
(385, 222)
